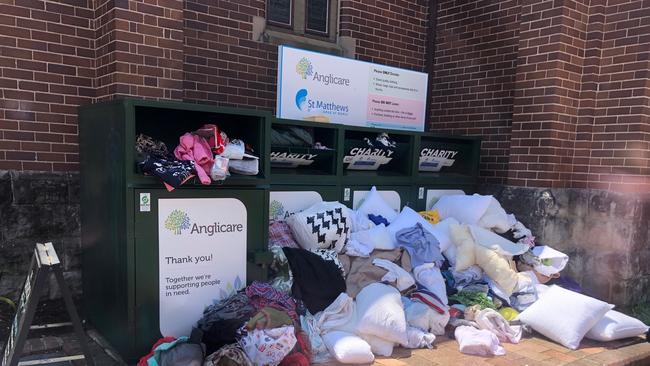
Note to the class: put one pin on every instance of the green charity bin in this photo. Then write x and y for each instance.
(365, 164)
(306, 165)
(444, 165)
(191, 248)
(153, 259)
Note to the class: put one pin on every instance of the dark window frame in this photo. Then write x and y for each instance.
(327, 20)
(280, 24)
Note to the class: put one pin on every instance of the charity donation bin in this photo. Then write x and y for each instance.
(444, 165)
(154, 258)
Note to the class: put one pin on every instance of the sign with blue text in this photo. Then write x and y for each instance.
(324, 88)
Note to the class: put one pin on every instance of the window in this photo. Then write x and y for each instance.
(279, 12)
(317, 16)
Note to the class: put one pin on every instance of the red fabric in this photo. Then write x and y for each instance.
(280, 234)
(143, 360)
(423, 299)
(301, 353)
(216, 139)
(295, 359)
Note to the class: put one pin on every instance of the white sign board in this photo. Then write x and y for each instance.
(202, 257)
(325, 88)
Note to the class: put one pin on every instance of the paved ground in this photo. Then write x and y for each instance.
(531, 352)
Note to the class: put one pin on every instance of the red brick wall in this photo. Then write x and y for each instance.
(47, 70)
(223, 64)
(558, 89)
(473, 82)
(389, 32)
(574, 92)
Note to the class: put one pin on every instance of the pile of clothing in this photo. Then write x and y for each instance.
(207, 153)
(349, 285)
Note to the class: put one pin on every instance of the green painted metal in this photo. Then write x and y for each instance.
(321, 172)
(120, 256)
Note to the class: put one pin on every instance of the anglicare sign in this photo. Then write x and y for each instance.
(323, 88)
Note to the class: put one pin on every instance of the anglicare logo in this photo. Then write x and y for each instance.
(304, 68)
(301, 99)
(177, 221)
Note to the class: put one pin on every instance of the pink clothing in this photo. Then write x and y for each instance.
(195, 148)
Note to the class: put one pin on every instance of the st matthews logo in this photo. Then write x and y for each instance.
(177, 221)
(304, 68)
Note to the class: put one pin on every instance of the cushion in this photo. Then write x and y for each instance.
(378, 345)
(422, 316)
(358, 221)
(489, 239)
(450, 254)
(348, 348)
(380, 313)
(495, 218)
(552, 261)
(378, 237)
(406, 219)
(615, 325)
(324, 225)
(373, 203)
(564, 316)
(442, 233)
(466, 209)
(464, 243)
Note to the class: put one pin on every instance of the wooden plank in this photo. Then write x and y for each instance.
(46, 361)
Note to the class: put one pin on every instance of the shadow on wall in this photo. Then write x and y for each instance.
(38, 207)
(605, 234)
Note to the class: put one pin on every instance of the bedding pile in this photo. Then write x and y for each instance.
(350, 285)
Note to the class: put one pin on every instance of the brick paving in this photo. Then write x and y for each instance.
(530, 352)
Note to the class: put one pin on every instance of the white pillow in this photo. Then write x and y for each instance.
(325, 225)
(406, 219)
(442, 233)
(378, 237)
(378, 345)
(374, 204)
(348, 348)
(466, 209)
(380, 313)
(615, 325)
(359, 221)
(450, 254)
(491, 240)
(495, 218)
(564, 316)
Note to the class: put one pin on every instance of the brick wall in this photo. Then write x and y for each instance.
(56, 55)
(473, 82)
(389, 32)
(46, 66)
(558, 89)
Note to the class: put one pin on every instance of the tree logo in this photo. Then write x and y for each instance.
(177, 221)
(276, 210)
(304, 68)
